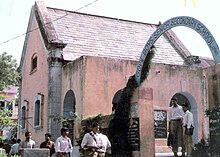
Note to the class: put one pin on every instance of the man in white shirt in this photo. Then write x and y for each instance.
(28, 142)
(63, 145)
(92, 143)
(187, 123)
(175, 127)
(105, 143)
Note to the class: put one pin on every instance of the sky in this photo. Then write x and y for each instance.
(14, 15)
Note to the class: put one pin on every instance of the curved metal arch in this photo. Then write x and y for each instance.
(186, 21)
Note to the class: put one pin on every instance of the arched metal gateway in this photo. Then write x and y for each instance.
(186, 21)
(119, 124)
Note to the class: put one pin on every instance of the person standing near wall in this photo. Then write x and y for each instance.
(105, 143)
(175, 126)
(48, 143)
(187, 124)
(91, 143)
(28, 142)
(63, 145)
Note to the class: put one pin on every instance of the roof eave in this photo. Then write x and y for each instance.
(46, 26)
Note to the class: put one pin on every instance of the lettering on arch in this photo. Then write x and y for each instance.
(186, 21)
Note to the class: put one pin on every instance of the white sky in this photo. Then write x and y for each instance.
(14, 15)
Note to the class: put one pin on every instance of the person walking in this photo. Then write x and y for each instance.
(48, 143)
(92, 144)
(175, 126)
(63, 145)
(187, 133)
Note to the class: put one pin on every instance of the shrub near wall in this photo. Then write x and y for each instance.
(210, 149)
(5, 155)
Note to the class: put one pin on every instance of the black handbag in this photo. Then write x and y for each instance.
(191, 129)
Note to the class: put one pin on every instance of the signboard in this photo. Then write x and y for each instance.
(174, 22)
(133, 134)
(160, 124)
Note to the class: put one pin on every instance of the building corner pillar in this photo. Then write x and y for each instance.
(145, 105)
(55, 63)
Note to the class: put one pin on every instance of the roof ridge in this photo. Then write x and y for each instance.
(102, 16)
(184, 52)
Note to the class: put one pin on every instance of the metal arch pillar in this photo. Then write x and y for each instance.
(186, 21)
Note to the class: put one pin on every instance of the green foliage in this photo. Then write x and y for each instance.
(8, 71)
(5, 118)
(210, 149)
(201, 150)
(65, 120)
(5, 155)
(147, 63)
(86, 125)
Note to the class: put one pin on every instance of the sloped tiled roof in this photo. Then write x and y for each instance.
(91, 35)
(206, 62)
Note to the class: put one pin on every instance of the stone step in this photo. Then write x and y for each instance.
(163, 149)
(166, 154)
(160, 142)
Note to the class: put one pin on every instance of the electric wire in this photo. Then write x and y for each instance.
(4, 42)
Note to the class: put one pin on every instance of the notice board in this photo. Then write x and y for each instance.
(160, 123)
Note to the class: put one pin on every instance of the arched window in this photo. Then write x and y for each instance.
(23, 117)
(68, 107)
(37, 113)
(34, 62)
(38, 102)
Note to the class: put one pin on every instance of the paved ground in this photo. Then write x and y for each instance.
(163, 154)
(166, 154)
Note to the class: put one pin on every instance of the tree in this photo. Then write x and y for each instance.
(5, 119)
(8, 77)
(8, 71)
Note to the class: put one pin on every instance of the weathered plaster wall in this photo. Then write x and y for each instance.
(167, 80)
(103, 78)
(212, 76)
(72, 78)
(35, 82)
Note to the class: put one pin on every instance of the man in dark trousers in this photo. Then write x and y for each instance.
(187, 132)
(175, 127)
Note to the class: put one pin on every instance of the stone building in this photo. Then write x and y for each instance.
(79, 63)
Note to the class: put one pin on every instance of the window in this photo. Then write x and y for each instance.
(37, 113)
(33, 62)
(23, 117)
(38, 102)
(24, 114)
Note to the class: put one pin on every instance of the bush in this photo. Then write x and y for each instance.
(5, 155)
(202, 149)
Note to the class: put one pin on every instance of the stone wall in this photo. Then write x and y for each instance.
(35, 152)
